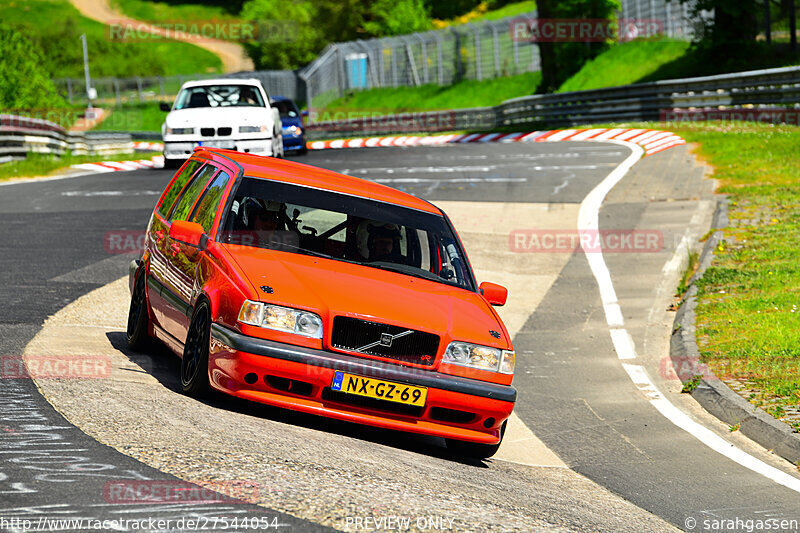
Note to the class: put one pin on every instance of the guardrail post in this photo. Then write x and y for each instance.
(116, 92)
(69, 90)
(161, 86)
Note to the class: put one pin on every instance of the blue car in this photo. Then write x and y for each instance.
(294, 137)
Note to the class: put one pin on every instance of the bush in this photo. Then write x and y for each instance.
(24, 83)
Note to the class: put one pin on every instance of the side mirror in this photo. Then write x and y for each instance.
(164, 106)
(190, 233)
(304, 113)
(495, 294)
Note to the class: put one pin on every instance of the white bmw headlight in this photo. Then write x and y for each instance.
(252, 129)
(180, 131)
(281, 319)
(481, 357)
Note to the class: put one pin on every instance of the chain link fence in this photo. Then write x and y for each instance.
(124, 91)
(478, 51)
(672, 17)
(442, 57)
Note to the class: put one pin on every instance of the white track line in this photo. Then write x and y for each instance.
(624, 346)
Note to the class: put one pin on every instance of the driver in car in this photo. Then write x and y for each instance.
(383, 243)
(266, 224)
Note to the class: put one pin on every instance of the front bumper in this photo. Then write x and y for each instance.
(184, 148)
(299, 378)
(292, 141)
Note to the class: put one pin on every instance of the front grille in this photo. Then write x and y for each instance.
(366, 337)
(207, 132)
(223, 132)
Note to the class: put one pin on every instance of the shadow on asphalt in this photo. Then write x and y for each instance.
(164, 366)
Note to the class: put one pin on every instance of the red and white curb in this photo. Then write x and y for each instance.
(148, 146)
(652, 141)
(116, 166)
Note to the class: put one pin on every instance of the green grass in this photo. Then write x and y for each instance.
(508, 10)
(626, 63)
(468, 93)
(36, 165)
(748, 317)
(484, 12)
(134, 117)
(172, 11)
(56, 26)
(646, 60)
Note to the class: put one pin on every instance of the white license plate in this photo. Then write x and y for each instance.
(217, 144)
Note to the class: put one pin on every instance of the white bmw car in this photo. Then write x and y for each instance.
(223, 113)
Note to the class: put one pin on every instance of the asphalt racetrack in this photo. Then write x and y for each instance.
(589, 449)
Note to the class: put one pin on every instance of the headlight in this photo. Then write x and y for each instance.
(180, 131)
(482, 357)
(297, 130)
(281, 319)
(252, 129)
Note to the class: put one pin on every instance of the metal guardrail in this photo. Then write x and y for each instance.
(20, 136)
(767, 89)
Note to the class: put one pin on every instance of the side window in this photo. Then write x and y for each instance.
(191, 193)
(207, 207)
(177, 187)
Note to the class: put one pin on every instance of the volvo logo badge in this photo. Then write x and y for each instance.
(385, 340)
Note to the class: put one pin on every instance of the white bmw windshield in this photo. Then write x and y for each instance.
(219, 96)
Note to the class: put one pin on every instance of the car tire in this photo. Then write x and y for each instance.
(194, 364)
(475, 450)
(302, 151)
(138, 332)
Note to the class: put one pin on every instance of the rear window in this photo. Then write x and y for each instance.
(206, 210)
(177, 186)
(192, 192)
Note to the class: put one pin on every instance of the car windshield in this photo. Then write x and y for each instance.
(289, 218)
(219, 96)
(286, 108)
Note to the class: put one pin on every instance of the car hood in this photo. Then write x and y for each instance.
(219, 116)
(332, 288)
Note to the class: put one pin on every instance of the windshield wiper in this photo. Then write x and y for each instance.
(304, 251)
(402, 269)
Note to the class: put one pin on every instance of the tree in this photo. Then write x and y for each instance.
(397, 17)
(24, 82)
(560, 60)
(734, 21)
